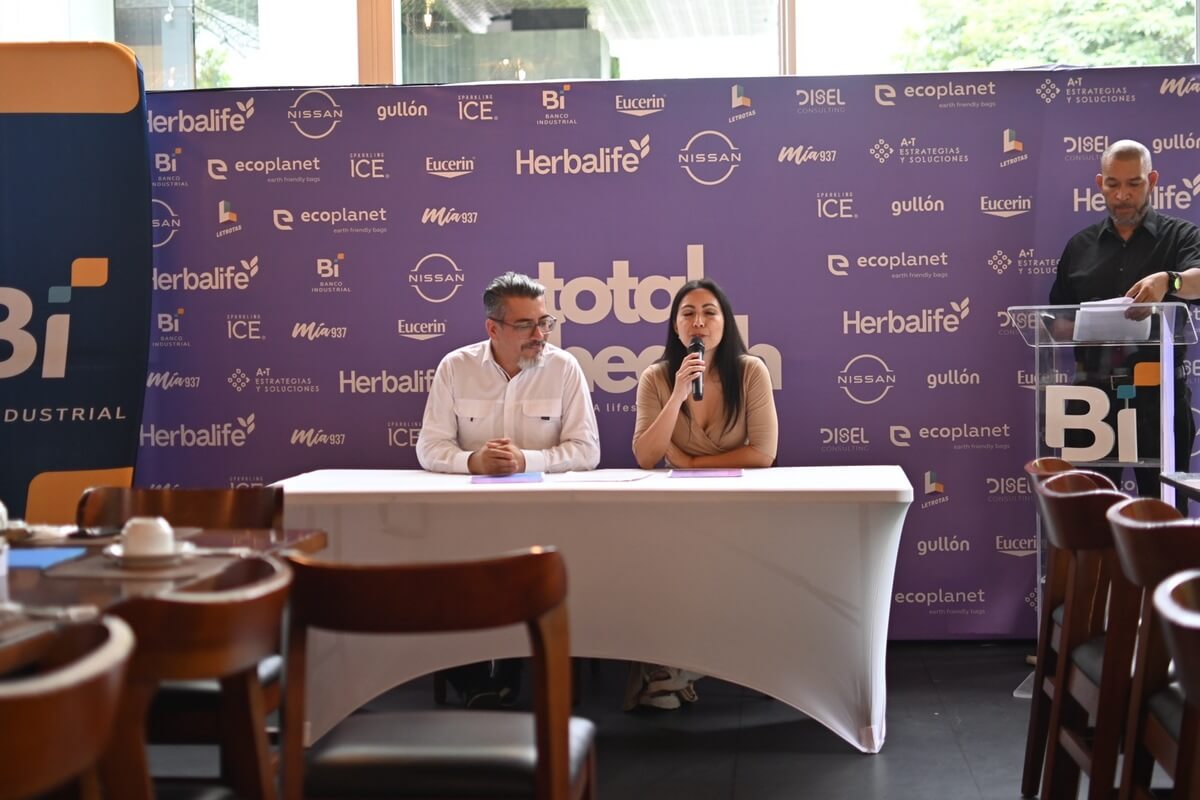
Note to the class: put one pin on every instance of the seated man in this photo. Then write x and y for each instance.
(511, 403)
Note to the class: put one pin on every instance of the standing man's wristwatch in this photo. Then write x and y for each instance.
(1174, 282)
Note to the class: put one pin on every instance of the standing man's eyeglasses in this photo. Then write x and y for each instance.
(544, 324)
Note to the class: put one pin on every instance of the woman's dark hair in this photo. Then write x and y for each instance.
(729, 353)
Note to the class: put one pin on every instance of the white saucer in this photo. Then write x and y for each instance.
(183, 551)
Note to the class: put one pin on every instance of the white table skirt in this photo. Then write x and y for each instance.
(779, 580)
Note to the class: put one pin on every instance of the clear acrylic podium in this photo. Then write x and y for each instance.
(1098, 369)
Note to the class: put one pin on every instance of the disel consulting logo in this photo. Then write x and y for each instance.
(709, 158)
(164, 222)
(436, 278)
(314, 114)
(866, 379)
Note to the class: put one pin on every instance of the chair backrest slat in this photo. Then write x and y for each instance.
(243, 507)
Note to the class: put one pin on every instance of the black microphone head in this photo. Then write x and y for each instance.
(697, 345)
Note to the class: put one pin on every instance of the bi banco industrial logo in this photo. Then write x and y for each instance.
(166, 170)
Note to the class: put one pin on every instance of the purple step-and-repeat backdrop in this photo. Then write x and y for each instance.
(317, 252)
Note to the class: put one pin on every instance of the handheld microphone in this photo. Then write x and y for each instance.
(697, 346)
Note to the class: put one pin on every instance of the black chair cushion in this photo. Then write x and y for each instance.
(434, 753)
(1166, 705)
(179, 790)
(1089, 657)
(206, 692)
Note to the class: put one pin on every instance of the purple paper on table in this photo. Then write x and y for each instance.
(519, 477)
(706, 473)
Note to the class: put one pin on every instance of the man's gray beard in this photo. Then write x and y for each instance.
(1139, 215)
(528, 362)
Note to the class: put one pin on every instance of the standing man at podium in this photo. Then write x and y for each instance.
(1139, 253)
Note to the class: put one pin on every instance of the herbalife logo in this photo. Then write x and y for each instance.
(1180, 87)
(217, 279)
(222, 434)
(999, 262)
(238, 380)
(927, 320)
(605, 161)
(215, 120)
(1048, 91)
(449, 167)
(882, 151)
(1005, 207)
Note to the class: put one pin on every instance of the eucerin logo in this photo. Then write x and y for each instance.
(318, 330)
(421, 331)
(900, 265)
(232, 277)
(402, 109)
(805, 154)
(436, 278)
(164, 223)
(314, 437)
(1017, 546)
(927, 320)
(631, 299)
(314, 114)
(448, 216)
(709, 158)
(639, 106)
(449, 167)
(417, 381)
(605, 161)
(1180, 87)
(171, 380)
(1051, 377)
(219, 434)
(866, 379)
(1005, 207)
(215, 120)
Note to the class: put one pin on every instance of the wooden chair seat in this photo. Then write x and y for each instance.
(58, 704)
(460, 754)
(1152, 542)
(1099, 623)
(221, 628)
(1177, 606)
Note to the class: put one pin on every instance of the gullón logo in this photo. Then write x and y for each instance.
(1005, 207)
(215, 120)
(709, 158)
(866, 379)
(219, 434)
(640, 106)
(927, 320)
(449, 167)
(315, 114)
(605, 161)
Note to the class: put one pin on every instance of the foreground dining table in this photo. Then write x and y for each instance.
(776, 579)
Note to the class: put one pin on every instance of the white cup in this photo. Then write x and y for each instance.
(3, 517)
(147, 536)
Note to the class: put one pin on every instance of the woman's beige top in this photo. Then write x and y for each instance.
(756, 423)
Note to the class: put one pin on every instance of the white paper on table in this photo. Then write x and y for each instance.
(1105, 321)
(600, 476)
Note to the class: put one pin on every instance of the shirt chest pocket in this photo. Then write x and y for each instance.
(542, 411)
(473, 411)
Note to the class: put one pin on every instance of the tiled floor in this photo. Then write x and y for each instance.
(955, 732)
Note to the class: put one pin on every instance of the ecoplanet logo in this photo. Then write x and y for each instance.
(315, 114)
(946, 94)
(709, 158)
(961, 436)
(899, 265)
(275, 170)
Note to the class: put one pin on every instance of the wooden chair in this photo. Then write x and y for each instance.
(1095, 643)
(57, 711)
(1053, 593)
(1153, 541)
(186, 712)
(1177, 603)
(219, 628)
(444, 753)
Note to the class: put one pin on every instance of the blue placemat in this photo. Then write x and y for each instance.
(41, 557)
(518, 477)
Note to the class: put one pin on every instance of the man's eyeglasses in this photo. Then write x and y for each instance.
(544, 324)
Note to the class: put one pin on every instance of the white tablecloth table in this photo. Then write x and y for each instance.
(779, 580)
